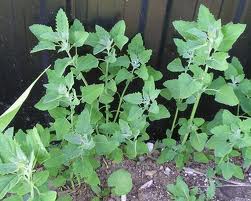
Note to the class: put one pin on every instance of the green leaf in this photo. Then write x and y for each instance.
(118, 28)
(62, 127)
(198, 141)
(183, 26)
(205, 18)
(83, 124)
(142, 72)
(134, 98)
(176, 66)
(145, 56)
(179, 190)
(77, 36)
(183, 87)
(64, 198)
(157, 75)
(122, 61)
(200, 157)
(61, 64)
(62, 25)
(218, 61)
(8, 168)
(226, 96)
(120, 181)
(59, 181)
(39, 178)
(86, 63)
(136, 45)
(227, 170)
(211, 190)
(231, 33)
(10, 113)
(48, 196)
(104, 145)
(122, 75)
(43, 45)
(35, 145)
(38, 30)
(162, 114)
(7, 182)
(90, 93)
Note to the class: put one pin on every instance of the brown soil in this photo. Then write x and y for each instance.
(160, 176)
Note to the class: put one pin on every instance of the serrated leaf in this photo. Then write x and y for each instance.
(218, 61)
(39, 29)
(162, 114)
(198, 141)
(205, 18)
(104, 145)
(134, 98)
(61, 64)
(183, 26)
(86, 63)
(77, 36)
(62, 25)
(43, 45)
(39, 178)
(231, 33)
(120, 181)
(226, 96)
(91, 93)
(142, 72)
(122, 75)
(62, 127)
(183, 87)
(176, 66)
(145, 56)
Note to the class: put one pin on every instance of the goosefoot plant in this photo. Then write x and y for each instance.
(180, 191)
(203, 57)
(87, 122)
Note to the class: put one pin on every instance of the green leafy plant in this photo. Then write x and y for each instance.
(99, 119)
(120, 181)
(203, 52)
(181, 192)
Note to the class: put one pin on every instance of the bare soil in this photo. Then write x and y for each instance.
(150, 180)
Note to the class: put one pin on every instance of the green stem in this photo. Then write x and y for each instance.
(121, 100)
(195, 106)
(174, 120)
(106, 82)
(83, 79)
(238, 109)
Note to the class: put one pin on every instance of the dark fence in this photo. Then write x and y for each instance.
(153, 18)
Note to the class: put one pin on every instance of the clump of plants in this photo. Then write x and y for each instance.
(92, 121)
(204, 68)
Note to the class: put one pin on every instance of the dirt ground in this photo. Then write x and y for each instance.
(150, 181)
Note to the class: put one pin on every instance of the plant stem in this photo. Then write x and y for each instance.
(120, 101)
(106, 81)
(195, 106)
(174, 120)
(238, 110)
(83, 79)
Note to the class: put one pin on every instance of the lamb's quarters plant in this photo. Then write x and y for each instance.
(203, 56)
(87, 124)
(180, 191)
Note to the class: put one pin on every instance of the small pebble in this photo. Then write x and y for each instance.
(146, 185)
(167, 171)
(150, 146)
(150, 173)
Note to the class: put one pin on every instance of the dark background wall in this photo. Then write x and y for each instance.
(150, 17)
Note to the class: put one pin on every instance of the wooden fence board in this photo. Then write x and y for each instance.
(131, 16)
(154, 26)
